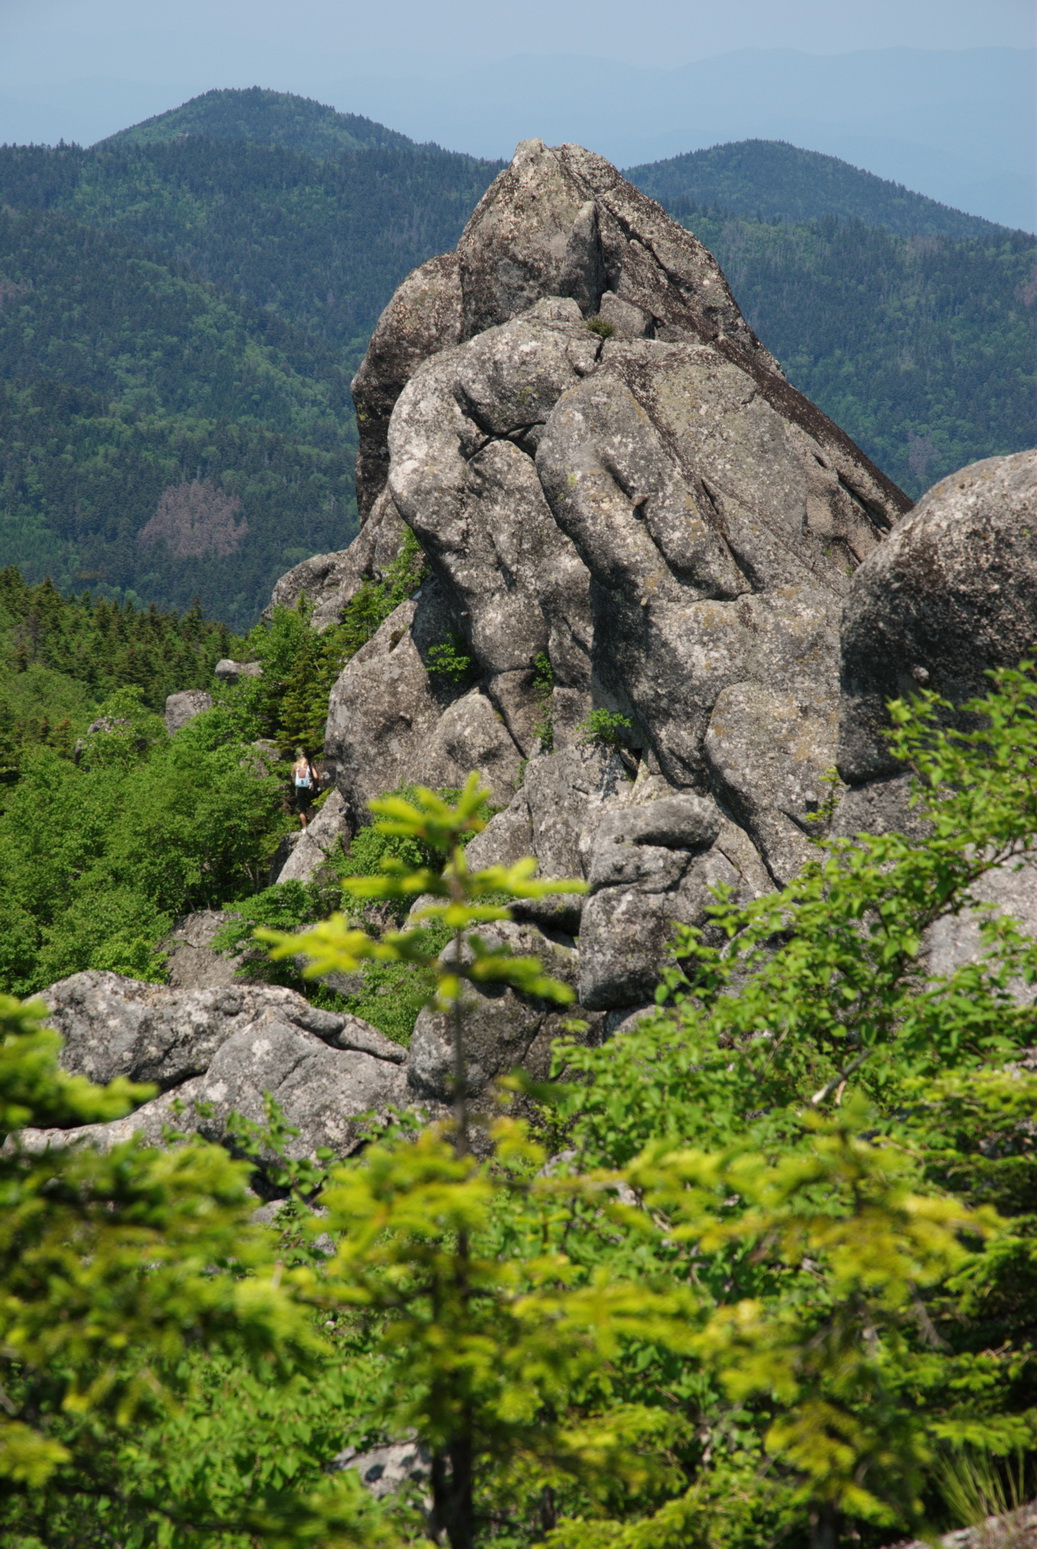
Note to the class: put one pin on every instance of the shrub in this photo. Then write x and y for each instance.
(543, 690)
(608, 727)
(451, 659)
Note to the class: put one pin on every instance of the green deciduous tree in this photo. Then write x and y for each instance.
(769, 1282)
(761, 1270)
(117, 1271)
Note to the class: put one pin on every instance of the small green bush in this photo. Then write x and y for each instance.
(608, 727)
(543, 689)
(601, 326)
(451, 658)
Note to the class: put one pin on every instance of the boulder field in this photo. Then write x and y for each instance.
(627, 512)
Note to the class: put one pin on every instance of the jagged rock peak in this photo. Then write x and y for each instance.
(561, 221)
(643, 517)
(557, 222)
(625, 509)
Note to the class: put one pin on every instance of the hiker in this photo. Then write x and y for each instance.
(304, 784)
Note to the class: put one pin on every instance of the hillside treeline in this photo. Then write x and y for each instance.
(922, 347)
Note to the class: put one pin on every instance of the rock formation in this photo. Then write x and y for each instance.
(617, 491)
(952, 594)
(625, 509)
(223, 1049)
(183, 707)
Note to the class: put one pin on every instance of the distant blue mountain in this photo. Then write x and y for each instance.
(957, 125)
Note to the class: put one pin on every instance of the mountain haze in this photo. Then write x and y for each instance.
(958, 123)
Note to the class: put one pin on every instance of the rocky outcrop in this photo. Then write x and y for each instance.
(951, 594)
(384, 1470)
(626, 512)
(503, 1029)
(214, 1053)
(392, 720)
(183, 707)
(625, 507)
(423, 317)
(318, 839)
(191, 961)
(230, 671)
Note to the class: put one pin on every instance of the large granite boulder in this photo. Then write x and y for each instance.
(950, 594)
(393, 720)
(183, 707)
(192, 963)
(503, 1029)
(423, 317)
(216, 1052)
(229, 671)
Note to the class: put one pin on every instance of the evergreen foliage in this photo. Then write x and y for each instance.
(125, 1280)
(99, 856)
(264, 118)
(128, 382)
(317, 243)
(770, 180)
(99, 311)
(60, 657)
(921, 348)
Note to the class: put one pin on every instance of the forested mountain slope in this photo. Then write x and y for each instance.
(265, 118)
(183, 306)
(184, 316)
(318, 242)
(923, 348)
(159, 438)
(774, 181)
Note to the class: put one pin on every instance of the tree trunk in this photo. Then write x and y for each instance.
(824, 1526)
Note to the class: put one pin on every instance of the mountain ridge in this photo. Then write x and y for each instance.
(235, 113)
(774, 179)
(734, 176)
(922, 349)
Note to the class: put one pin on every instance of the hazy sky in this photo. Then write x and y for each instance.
(300, 43)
